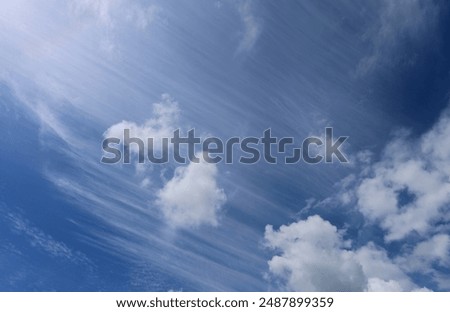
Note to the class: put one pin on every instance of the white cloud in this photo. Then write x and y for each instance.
(192, 197)
(426, 254)
(145, 183)
(436, 248)
(406, 193)
(383, 274)
(164, 122)
(252, 26)
(111, 15)
(111, 12)
(418, 168)
(43, 241)
(142, 16)
(411, 20)
(313, 256)
(100, 9)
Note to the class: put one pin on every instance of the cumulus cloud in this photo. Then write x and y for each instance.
(436, 249)
(406, 194)
(164, 122)
(312, 255)
(192, 197)
(408, 190)
(428, 253)
(383, 273)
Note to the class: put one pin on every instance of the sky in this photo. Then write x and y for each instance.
(73, 73)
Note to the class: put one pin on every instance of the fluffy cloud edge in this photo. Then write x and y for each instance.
(405, 194)
(312, 255)
(192, 197)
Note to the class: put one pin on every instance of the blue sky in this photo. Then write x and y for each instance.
(72, 72)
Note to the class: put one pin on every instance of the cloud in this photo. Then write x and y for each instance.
(399, 21)
(405, 194)
(383, 273)
(100, 9)
(43, 241)
(312, 255)
(192, 198)
(142, 16)
(111, 12)
(434, 251)
(408, 190)
(164, 122)
(252, 27)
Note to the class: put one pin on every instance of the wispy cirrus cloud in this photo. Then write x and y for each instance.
(42, 241)
(399, 22)
(112, 13)
(251, 26)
